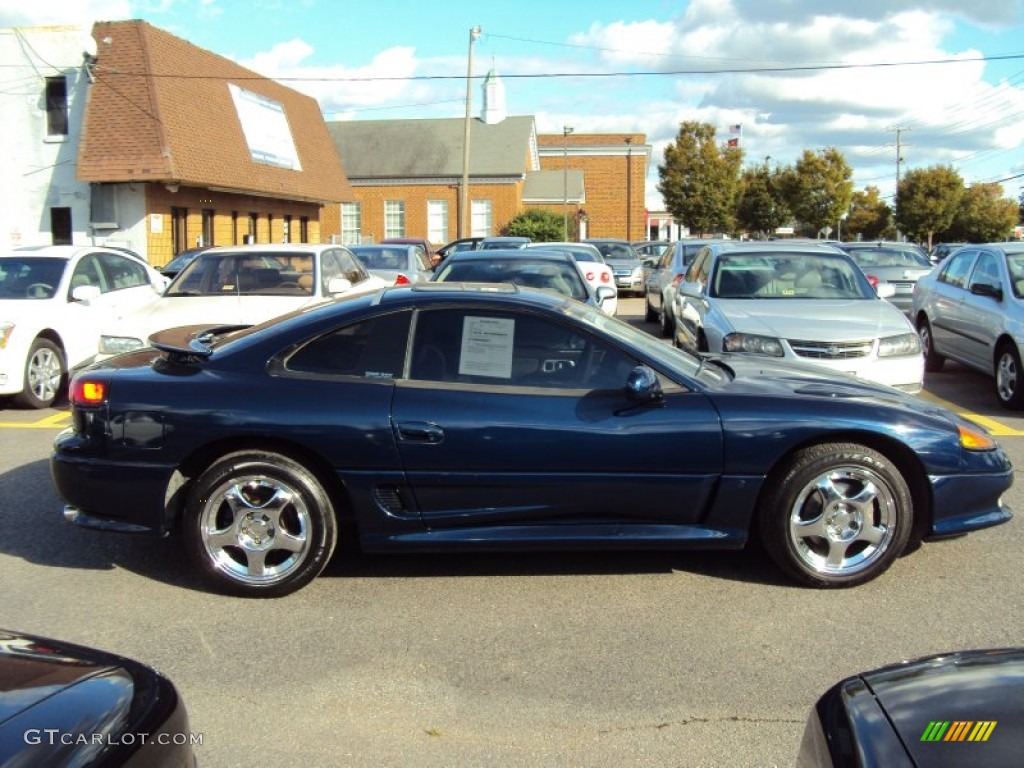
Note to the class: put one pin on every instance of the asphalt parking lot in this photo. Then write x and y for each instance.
(645, 659)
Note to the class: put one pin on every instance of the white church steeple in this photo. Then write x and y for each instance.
(493, 110)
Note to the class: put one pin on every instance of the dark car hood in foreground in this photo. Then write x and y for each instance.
(956, 709)
(65, 704)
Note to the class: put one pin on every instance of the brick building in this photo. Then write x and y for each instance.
(178, 146)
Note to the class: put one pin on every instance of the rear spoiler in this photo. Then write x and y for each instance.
(190, 343)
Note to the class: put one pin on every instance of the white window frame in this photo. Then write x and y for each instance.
(394, 218)
(437, 221)
(481, 218)
(351, 223)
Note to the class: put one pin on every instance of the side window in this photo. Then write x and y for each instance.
(88, 272)
(329, 269)
(123, 272)
(955, 272)
(372, 349)
(350, 267)
(697, 268)
(510, 349)
(986, 270)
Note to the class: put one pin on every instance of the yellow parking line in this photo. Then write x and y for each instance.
(995, 428)
(53, 421)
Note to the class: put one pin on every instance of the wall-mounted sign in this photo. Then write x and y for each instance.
(266, 129)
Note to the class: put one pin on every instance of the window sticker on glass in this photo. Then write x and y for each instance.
(487, 347)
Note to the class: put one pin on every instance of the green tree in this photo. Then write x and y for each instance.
(870, 217)
(699, 180)
(538, 224)
(819, 189)
(760, 207)
(926, 201)
(984, 215)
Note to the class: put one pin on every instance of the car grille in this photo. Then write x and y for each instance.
(831, 350)
(623, 272)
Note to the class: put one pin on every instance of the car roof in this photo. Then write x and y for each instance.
(65, 251)
(533, 254)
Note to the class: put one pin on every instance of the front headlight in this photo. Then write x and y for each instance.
(6, 329)
(115, 345)
(899, 346)
(751, 343)
(638, 271)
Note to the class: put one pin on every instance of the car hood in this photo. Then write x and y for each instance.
(174, 311)
(818, 319)
(965, 687)
(632, 263)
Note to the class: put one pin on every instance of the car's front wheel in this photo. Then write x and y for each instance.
(260, 524)
(665, 323)
(836, 515)
(1009, 377)
(44, 374)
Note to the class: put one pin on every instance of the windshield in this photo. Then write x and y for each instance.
(550, 275)
(888, 257)
(381, 257)
(617, 251)
(30, 278)
(788, 276)
(246, 274)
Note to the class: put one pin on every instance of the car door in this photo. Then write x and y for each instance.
(690, 301)
(981, 317)
(509, 418)
(123, 284)
(944, 308)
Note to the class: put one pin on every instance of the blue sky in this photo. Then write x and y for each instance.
(646, 66)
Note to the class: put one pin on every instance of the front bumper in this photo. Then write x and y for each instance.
(969, 502)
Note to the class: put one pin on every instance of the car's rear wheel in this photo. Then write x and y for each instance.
(44, 375)
(932, 360)
(1009, 377)
(836, 515)
(260, 524)
(665, 321)
(650, 313)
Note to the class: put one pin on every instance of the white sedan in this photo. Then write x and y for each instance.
(53, 301)
(592, 266)
(243, 285)
(800, 303)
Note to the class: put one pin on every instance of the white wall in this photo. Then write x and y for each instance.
(38, 171)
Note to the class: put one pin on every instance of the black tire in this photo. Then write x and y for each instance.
(933, 361)
(836, 515)
(1009, 377)
(650, 315)
(665, 324)
(43, 376)
(260, 524)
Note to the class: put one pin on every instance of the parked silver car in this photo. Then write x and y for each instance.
(398, 264)
(900, 264)
(971, 309)
(661, 280)
(807, 304)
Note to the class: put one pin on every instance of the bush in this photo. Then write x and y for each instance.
(538, 224)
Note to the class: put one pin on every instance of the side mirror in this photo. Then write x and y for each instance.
(643, 387)
(987, 289)
(885, 290)
(604, 293)
(338, 285)
(693, 290)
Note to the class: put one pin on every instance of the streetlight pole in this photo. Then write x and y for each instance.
(474, 33)
(566, 130)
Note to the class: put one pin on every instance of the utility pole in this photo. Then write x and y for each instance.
(566, 130)
(629, 186)
(899, 129)
(474, 33)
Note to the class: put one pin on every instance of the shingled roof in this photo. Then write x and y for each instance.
(161, 109)
(432, 148)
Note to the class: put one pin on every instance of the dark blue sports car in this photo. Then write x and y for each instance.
(442, 417)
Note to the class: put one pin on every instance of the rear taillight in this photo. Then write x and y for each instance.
(677, 280)
(873, 279)
(402, 279)
(85, 392)
(590, 277)
(606, 277)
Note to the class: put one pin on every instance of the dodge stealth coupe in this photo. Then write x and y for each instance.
(450, 416)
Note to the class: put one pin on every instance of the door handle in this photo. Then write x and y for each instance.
(419, 432)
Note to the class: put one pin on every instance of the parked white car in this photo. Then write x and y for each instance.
(799, 303)
(243, 285)
(53, 301)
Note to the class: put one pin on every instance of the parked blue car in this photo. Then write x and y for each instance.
(453, 416)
